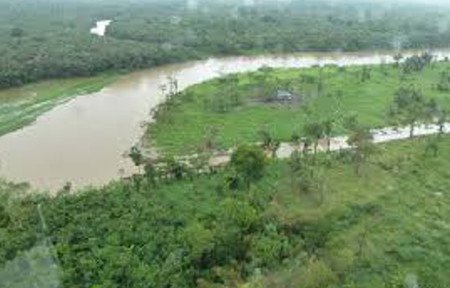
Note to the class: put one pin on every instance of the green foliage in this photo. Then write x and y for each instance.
(200, 241)
(444, 81)
(136, 156)
(50, 39)
(442, 118)
(186, 233)
(304, 173)
(361, 140)
(270, 248)
(249, 162)
(416, 63)
(409, 107)
(312, 274)
(365, 74)
(151, 173)
(4, 217)
(314, 131)
(432, 146)
(223, 103)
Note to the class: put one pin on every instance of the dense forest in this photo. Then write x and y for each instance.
(310, 222)
(50, 38)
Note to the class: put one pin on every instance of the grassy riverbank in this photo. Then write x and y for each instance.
(384, 228)
(234, 109)
(21, 106)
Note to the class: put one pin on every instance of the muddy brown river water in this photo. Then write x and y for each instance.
(83, 141)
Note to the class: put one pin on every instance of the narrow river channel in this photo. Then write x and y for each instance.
(83, 141)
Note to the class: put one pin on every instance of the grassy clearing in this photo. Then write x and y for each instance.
(21, 106)
(383, 229)
(229, 112)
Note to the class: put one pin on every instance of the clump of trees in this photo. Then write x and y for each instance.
(316, 130)
(410, 107)
(416, 63)
(249, 163)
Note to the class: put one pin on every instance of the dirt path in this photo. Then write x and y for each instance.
(383, 135)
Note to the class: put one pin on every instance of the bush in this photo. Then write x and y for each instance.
(249, 162)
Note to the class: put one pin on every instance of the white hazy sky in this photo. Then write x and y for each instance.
(386, 1)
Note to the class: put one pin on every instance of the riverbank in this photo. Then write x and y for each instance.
(20, 107)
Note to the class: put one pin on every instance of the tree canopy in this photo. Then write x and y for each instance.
(49, 39)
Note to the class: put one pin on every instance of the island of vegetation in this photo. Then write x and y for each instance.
(284, 104)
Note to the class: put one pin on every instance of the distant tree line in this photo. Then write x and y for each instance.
(50, 39)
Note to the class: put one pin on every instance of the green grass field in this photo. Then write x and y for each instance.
(21, 106)
(183, 125)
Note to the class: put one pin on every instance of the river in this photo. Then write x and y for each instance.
(84, 140)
